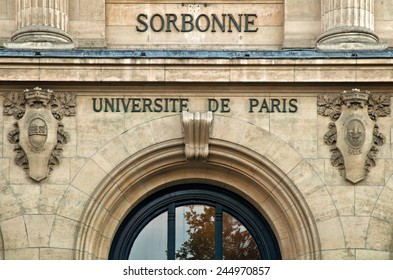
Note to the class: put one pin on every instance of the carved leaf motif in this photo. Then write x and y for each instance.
(63, 104)
(21, 158)
(371, 157)
(14, 104)
(62, 138)
(329, 105)
(378, 138)
(337, 158)
(378, 106)
(13, 135)
(330, 137)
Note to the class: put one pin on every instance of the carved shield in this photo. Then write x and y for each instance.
(38, 132)
(38, 138)
(355, 139)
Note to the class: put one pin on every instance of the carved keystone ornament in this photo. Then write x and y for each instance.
(197, 129)
(39, 133)
(353, 134)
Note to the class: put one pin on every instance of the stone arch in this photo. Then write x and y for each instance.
(240, 161)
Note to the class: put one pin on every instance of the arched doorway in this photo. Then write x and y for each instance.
(242, 166)
(194, 221)
(229, 166)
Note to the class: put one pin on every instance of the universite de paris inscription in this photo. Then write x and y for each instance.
(178, 105)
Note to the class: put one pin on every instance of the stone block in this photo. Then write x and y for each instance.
(28, 197)
(4, 172)
(283, 156)
(383, 207)
(22, 254)
(372, 255)
(105, 125)
(379, 235)
(279, 74)
(73, 204)
(305, 178)
(365, 199)
(321, 205)
(39, 228)
(318, 165)
(19, 73)
(228, 129)
(50, 198)
(256, 138)
(3, 10)
(134, 73)
(56, 254)
(111, 155)
(214, 74)
(10, 206)
(344, 199)
(355, 231)
(137, 138)
(302, 10)
(342, 254)
(338, 74)
(14, 233)
(331, 234)
(298, 129)
(74, 10)
(89, 177)
(166, 128)
(60, 173)
(87, 29)
(64, 233)
(92, 10)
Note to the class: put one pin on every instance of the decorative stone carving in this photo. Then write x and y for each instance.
(39, 134)
(348, 25)
(197, 129)
(353, 134)
(41, 25)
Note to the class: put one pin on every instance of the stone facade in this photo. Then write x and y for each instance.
(255, 123)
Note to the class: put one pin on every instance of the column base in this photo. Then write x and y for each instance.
(40, 37)
(350, 38)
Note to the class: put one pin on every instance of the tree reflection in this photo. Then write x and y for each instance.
(238, 244)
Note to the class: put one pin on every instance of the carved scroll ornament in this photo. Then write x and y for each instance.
(353, 135)
(197, 129)
(39, 134)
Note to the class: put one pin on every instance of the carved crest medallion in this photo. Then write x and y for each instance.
(353, 134)
(39, 133)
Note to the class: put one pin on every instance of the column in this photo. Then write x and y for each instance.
(348, 24)
(41, 24)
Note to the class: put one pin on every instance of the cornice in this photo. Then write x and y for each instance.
(196, 66)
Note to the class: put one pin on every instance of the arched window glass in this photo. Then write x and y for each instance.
(151, 243)
(195, 223)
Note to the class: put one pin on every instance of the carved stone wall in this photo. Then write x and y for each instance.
(348, 25)
(41, 24)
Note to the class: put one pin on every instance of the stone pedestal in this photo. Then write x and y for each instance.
(348, 24)
(41, 24)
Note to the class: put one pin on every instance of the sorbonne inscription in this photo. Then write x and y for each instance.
(177, 105)
(201, 23)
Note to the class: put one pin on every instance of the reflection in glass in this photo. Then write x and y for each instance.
(151, 243)
(194, 236)
(238, 244)
(195, 226)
